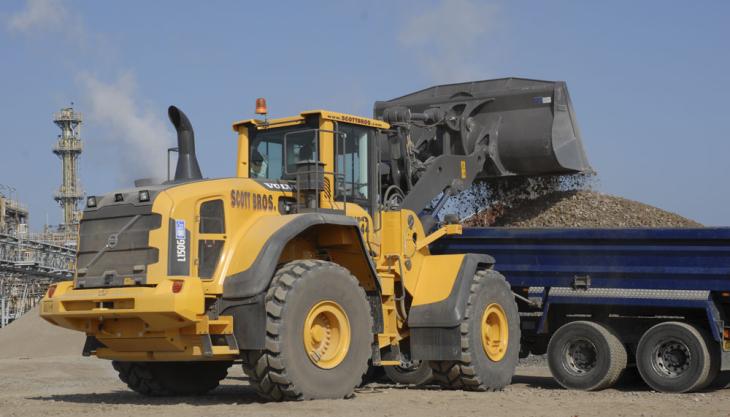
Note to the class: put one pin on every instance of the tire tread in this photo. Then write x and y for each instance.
(462, 374)
(265, 369)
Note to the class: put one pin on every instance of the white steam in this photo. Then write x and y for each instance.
(449, 40)
(136, 134)
(39, 14)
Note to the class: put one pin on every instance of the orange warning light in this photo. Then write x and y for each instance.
(261, 106)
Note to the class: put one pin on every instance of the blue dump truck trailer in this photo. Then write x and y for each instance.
(601, 301)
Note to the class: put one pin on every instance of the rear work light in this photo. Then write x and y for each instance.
(91, 202)
(144, 196)
(51, 290)
(177, 286)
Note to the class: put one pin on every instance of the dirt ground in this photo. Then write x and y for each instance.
(75, 386)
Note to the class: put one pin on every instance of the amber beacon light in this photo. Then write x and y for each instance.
(261, 106)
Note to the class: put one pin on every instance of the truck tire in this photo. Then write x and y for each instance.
(410, 373)
(162, 379)
(677, 357)
(490, 338)
(318, 334)
(586, 356)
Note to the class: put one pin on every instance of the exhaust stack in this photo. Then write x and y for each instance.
(187, 164)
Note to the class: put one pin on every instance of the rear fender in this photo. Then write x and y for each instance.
(243, 290)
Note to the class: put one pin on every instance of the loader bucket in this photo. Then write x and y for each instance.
(527, 126)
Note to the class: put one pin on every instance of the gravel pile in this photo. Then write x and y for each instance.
(32, 337)
(577, 208)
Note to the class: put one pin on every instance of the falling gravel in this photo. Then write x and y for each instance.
(556, 201)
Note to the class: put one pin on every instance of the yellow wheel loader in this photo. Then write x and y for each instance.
(313, 261)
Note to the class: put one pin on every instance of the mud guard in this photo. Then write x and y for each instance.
(435, 333)
(243, 291)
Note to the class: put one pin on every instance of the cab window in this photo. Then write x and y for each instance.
(267, 151)
(352, 162)
(211, 217)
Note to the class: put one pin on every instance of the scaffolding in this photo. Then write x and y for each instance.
(28, 264)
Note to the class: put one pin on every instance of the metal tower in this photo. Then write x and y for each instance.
(68, 148)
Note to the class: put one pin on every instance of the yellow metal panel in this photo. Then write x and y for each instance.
(392, 233)
(269, 123)
(326, 155)
(326, 114)
(191, 353)
(158, 307)
(242, 163)
(348, 118)
(437, 277)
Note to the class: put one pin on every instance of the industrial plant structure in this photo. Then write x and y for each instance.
(30, 261)
(68, 148)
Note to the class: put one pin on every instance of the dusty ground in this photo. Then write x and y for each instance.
(74, 386)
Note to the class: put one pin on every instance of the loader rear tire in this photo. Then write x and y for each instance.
(490, 338)
(411, 373)
(164, 379)
(318, 334)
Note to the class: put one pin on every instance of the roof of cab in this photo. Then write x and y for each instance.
(326, 114)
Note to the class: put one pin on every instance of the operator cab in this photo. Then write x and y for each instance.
(341, 146)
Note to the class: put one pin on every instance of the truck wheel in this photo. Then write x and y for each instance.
(490, 338)
(586, 356)
(410, 372)
(677, 357)
(318, 334)
(161, 379)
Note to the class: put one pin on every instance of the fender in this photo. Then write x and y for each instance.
(243, 292)
(256, 279)
(435, 333)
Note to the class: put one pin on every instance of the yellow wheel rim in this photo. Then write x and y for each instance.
(326, 334)
(495, 332)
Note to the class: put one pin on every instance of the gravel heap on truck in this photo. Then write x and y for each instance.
(563, 202)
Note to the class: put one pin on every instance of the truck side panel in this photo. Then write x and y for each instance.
(628, 279)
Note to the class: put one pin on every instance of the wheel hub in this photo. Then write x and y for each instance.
(407, 364)
(495, 332)
(671, 358)
(580, 356)
(326, 334)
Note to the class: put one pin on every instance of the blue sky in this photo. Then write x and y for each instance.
(649, 80)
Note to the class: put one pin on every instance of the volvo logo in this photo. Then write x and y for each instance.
(112, 241)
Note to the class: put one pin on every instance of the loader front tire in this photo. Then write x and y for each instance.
(318, 334)
(490, 338)
(164, 379)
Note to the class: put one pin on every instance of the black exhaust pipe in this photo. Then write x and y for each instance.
(187, 164)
